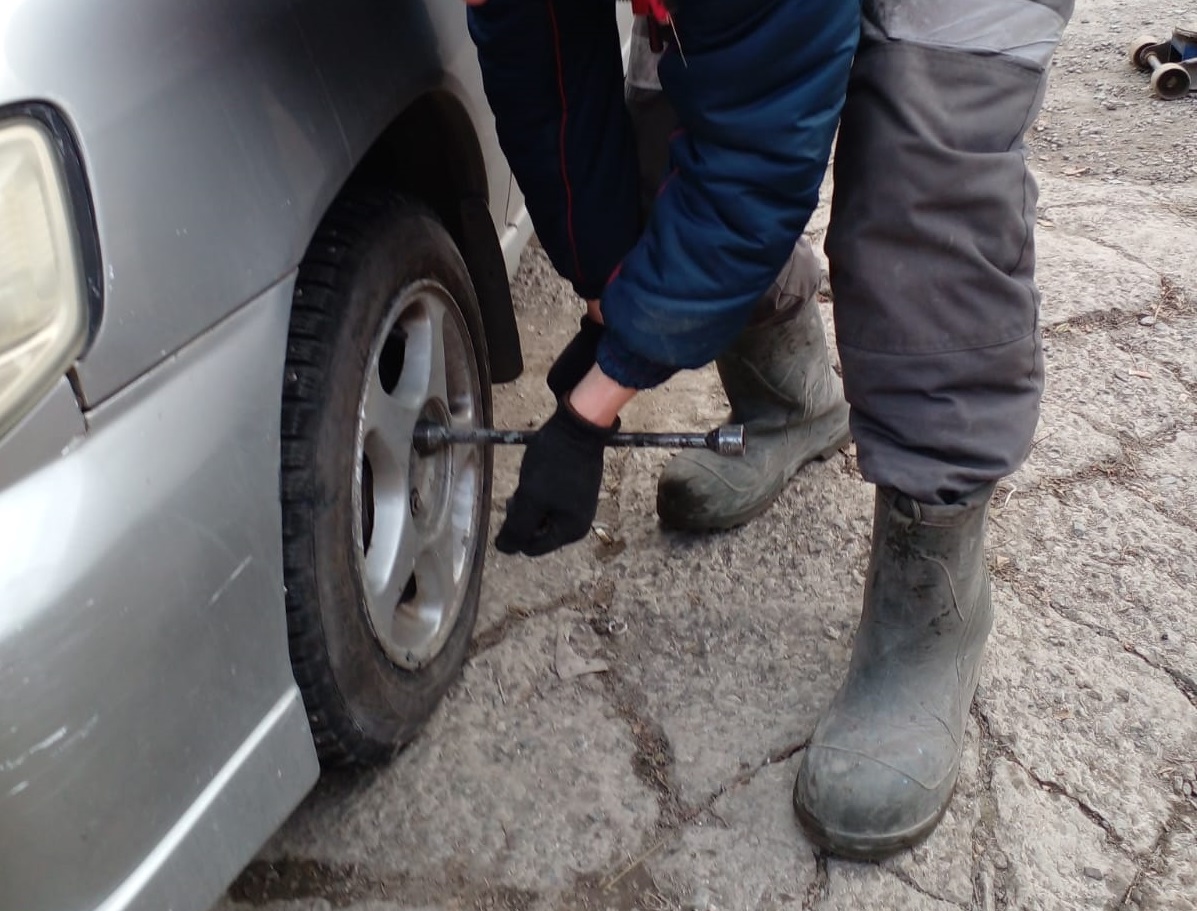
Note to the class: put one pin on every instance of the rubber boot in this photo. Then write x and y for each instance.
(882, 763)
(780, 384)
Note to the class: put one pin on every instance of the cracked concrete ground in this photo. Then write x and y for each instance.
(663, 781)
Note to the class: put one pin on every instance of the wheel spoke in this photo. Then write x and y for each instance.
(468, 466)
(436, 565)
(389, 422)
(443, 552)
(463, 419)
(390, 563)
(424, 370)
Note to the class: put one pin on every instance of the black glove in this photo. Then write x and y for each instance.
(560, 477)
(576, 360)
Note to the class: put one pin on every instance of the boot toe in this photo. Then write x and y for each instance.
(856, 806)
(701, 491)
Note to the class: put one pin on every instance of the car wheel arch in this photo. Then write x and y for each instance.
(431, 153)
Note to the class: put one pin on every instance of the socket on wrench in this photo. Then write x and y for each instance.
(728, 440)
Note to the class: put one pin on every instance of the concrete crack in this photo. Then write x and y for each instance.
(599, 593)
(634, 888)
(983, 836)
(652, 764)
(1184, 683)
(1116, 469)
(1144, 862)
(298, 879)
(1002, 749)
(820, 886)
(1173, 368)
(652, 761)
(1149, 497)
(652, 758)
(1149, 857)
(1093, 321)
(1114, 248)
(1052, 787)
(289, 879)
(1173, 294)
(907, 880)
(786, 753)
(743, 777)
(1036, 590)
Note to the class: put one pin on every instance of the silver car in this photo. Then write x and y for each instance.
(244, 249)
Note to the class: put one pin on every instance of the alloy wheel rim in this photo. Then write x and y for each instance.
(418, 516)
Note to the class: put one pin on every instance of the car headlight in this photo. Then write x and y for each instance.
(43, 303)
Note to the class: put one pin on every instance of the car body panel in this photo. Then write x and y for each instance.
(151, 734)
(238, 810)
(215, 134)
(142, 638)
(42, 436)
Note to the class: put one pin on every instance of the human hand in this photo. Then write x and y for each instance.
(575, 361)
(560, 477)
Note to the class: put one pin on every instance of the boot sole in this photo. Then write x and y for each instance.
(868, 847)
(681, 522)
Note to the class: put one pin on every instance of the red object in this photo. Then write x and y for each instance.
(654, 9)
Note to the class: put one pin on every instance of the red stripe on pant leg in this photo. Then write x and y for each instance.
(569, 192)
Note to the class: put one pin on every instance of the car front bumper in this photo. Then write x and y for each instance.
(151, 734)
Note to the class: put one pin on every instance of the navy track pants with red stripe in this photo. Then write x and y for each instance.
(554, 78)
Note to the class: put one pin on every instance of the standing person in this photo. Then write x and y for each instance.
(932, 260)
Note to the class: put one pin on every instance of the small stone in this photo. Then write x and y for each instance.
(985, 882)
(1078, 529)
(1094, 873)
(1110, 106)
(1178, 785)
(831, 633)
(1000, 860)
(1147, 320)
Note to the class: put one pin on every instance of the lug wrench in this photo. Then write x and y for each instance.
(430, 437)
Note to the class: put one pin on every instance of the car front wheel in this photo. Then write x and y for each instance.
(383, 546)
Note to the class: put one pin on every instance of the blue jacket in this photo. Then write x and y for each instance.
(758, 96)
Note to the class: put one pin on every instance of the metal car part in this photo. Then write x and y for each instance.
(274, 103)
(144, 678)
(43, 305)
(153, 736)
(432, 436)
(420, 509)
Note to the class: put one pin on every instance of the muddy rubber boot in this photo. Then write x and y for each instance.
(780, 384)
(882, 763)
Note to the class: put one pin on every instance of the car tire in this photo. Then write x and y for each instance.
(373, 648)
